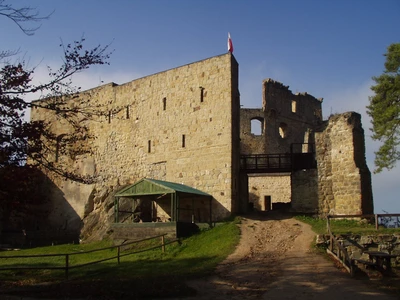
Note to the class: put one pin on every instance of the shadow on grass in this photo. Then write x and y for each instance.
(128, 280)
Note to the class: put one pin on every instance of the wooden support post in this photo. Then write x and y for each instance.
(162, 243)
(119, 253)
(66, 265)
(376, 221)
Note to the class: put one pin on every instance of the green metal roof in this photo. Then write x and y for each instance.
(148, 186)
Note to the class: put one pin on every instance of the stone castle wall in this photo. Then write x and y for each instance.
(289, 117)
(185, 125)
(304, 191)
(274, 186)
(286, 118)
(344, 180)
(178, 125)
(341, 183)
(249, 142)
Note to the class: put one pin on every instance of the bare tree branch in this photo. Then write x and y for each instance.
(22, 15)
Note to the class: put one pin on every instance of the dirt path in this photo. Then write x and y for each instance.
(274, 261)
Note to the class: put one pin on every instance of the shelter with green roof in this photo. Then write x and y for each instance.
(152, 206)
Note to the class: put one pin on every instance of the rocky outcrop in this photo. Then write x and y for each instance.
(99, 215)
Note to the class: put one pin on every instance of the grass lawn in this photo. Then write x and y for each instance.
(342, 226)
(146, 274)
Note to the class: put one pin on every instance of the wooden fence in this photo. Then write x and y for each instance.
(341, 253)
(67, 256)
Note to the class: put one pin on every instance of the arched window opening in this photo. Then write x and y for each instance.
(283, 130)
(257, 126)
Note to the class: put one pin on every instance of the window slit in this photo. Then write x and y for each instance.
(201, 94)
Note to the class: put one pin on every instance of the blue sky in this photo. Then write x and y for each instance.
(330, 49)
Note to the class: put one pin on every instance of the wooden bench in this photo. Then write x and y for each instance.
(355, 261)
(364, 262)
(381, 259)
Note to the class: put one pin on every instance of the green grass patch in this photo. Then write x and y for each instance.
(194, 256)
(345, 226)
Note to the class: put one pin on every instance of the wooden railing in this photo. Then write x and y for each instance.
(266, 162)
(341, 253)
(66, 267)
(280, 162)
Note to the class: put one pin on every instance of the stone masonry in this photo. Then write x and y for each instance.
(344, 180)
(292, 123)
(185, 125)
(178, 125)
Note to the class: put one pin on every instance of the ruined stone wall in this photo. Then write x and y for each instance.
(288, 117)
(178, 125)
(344, 181)
(251, 143)
(276, 186)
(341, 184)
(305, 191)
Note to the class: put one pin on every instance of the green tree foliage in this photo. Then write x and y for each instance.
(384, 109)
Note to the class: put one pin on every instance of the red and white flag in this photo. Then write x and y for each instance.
(230, 45)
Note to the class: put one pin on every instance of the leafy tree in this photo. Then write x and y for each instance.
(384, 109)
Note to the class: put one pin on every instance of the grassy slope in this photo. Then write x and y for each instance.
(338, 226)
(151, 273)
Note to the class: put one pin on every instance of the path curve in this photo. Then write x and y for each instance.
(273, 261)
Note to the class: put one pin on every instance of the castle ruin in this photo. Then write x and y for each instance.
(186, 126)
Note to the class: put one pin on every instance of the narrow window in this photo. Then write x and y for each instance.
(59, 145)
(257, 126)
(164, 103)
(201, 94)
(283, 130)
(127, 112)
(109, 117)
(149, 146)
(294, 106)
(183, 141)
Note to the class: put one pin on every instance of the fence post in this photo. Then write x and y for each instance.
(66, 265)
(162, 243)
(376, 222)
(119, 252)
